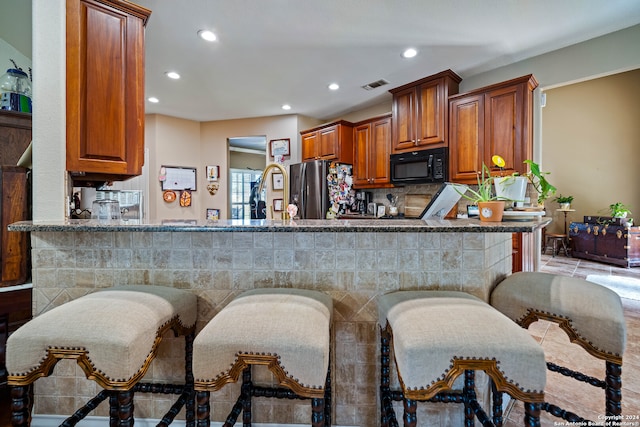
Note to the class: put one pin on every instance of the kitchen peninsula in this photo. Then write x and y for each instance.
(354, 261)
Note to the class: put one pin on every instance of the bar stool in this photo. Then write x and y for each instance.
(558, 241)
(286, 330)
(113, 335)
(590, 314)
(436, 336)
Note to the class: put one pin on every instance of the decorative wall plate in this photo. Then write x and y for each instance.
(169, 196)
(185, 198)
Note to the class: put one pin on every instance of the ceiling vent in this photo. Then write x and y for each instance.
(375, 84)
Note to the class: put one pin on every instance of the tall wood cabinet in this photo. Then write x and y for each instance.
(331, 141)
(105, 89)
(15, 304)
(372, 147)
(492, 120)
(420, 112)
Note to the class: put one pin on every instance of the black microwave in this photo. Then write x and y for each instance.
(419, 167)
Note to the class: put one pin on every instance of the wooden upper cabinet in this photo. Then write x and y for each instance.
(372, 148)
(466, 136)
(496, 119)
(105, 89)
(309, 144)
(420, 112)
(332, 141)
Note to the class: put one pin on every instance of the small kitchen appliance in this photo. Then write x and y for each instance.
(419, 167)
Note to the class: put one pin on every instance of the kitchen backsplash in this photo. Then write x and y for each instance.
(379, 195)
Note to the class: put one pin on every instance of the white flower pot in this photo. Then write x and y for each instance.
(512, 188)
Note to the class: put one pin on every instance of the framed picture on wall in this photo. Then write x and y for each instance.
(213, 173)
(213, 214)
(278, 205)
(277, 181)
(279, 147)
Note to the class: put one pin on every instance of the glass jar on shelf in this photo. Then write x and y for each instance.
(15, 91)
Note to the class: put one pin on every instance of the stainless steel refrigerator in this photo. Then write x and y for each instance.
(319, 187)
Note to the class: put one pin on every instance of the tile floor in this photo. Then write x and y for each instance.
(571, 395)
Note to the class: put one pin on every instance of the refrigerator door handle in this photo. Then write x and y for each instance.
(302, 203)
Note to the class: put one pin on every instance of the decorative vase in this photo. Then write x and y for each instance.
(565, 206)
(491, 211)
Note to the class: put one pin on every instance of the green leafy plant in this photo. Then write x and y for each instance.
(539, 181)
(563, 199)
(619, 210)
(484, 193)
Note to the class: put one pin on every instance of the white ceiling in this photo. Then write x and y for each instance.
(272, 52)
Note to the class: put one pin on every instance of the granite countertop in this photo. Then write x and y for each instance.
(309, 225)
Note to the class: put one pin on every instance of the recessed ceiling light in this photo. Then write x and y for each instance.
(207, 35)
(153, 99)
(286, 107)
(334, 86)
(409, 53)
(172, 75)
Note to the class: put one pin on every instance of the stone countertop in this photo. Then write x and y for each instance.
(309, 225)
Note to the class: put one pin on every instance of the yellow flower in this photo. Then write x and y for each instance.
(498, 161)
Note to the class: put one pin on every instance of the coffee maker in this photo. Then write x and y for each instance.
(362, 201)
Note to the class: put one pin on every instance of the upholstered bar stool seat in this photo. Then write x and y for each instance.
(439, 335)
(287, 330)
(113, 334)
(590, 314)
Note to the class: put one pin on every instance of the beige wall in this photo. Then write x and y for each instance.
(179, 142)
(174, 142)
(591, 143)
(240, 160)
(367, 113)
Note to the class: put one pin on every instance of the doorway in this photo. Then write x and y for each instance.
(247, 160)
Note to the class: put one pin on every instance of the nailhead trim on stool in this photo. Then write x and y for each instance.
(437, 336)
(113, 334)
(590, 314)
(287, 330)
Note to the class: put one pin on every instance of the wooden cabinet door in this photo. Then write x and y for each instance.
(14, 249)
(372, 148)
(309, 144)
(329, 143)
(421, 114)
(332, 141)
(380, 150)
(432, 103)
(404, 119)
(466, 138)
(361, 136)
(105, 87)
(503, 127)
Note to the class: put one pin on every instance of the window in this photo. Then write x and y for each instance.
(241, 183)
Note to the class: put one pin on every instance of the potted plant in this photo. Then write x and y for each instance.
(537, 178)
(619, 210)
(564, 201)
(490, 207)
